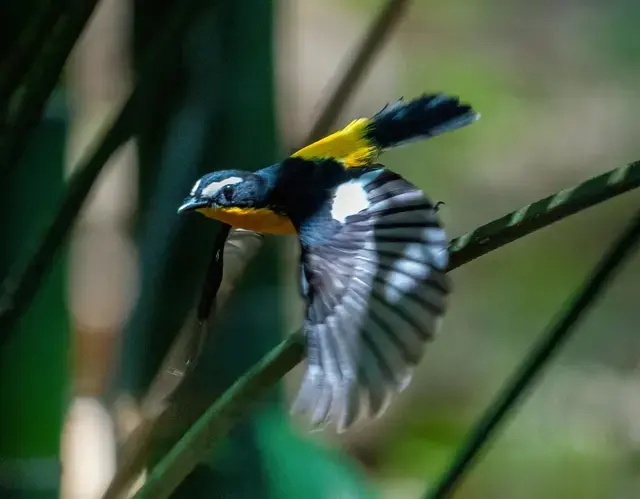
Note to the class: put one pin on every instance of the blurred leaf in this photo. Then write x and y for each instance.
(179, 113)
(298, 467)
(525, 463)
(424, 443)
(34, 364)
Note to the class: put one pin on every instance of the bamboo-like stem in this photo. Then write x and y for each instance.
(23, 281)
(41, 79)
(188, 451)
(542, 213)
(21, 285)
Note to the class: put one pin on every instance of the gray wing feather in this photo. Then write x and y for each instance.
(376, 292)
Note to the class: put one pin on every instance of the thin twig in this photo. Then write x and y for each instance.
(22, 283)
(368, 49)
(157, 407)
(287, 355)
(208, 296)
(40, 81)
(536, 360)
(213, 276)
(239, 247)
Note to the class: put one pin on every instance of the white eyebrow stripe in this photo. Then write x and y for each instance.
(195, 187)
(213, 188)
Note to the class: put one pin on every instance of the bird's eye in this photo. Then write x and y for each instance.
(227, 192)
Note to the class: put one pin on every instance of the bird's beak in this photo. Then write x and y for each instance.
(191, 204)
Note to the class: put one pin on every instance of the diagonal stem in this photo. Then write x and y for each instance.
(40, 80)
(542, 213)
(371, 44)
(532, 366)
(187, 453)
(21, 285)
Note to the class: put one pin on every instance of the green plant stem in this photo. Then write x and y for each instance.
(532, 366)
(34, 367)
(22, 283)
(371, 44)
(41, 79)
(220, 418)
(543, 213)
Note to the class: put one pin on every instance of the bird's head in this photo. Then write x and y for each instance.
(238, 198)
(223, 190)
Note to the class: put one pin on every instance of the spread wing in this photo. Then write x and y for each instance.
(375, 292)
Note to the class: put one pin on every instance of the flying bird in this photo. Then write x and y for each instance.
(373, 253)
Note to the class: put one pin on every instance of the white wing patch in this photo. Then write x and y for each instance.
(214, 187)
(350, 198)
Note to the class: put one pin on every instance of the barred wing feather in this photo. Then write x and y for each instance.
(375, 292)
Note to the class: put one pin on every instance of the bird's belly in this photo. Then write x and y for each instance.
(259, 220)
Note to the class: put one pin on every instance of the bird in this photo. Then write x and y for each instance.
(373, 253)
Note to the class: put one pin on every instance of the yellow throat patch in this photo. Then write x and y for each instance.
(260, 220)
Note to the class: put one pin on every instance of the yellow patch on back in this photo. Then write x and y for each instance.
(349, 146)
(258, 220)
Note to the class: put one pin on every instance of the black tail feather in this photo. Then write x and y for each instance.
(417, 119)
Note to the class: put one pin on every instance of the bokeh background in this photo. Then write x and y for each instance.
(557, 85)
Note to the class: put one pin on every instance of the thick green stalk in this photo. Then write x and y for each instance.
(40, 80)
(20, 286)
(34, 364)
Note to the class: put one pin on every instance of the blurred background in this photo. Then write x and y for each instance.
(557, 85)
